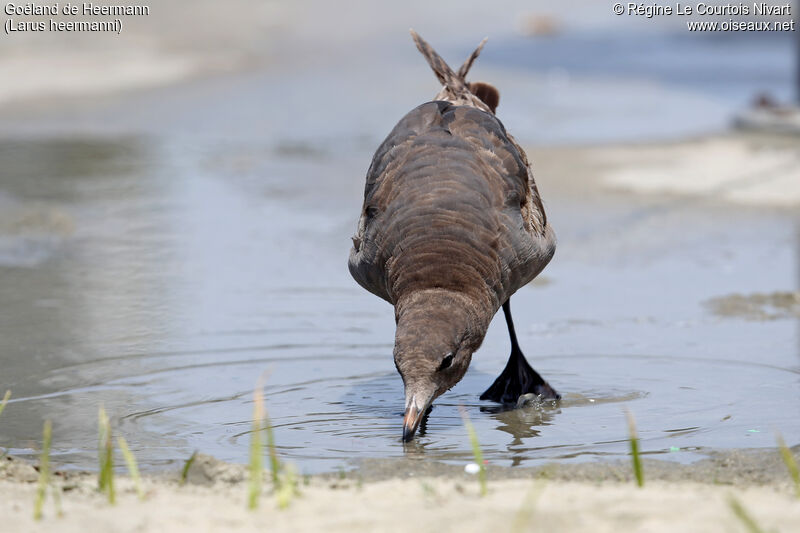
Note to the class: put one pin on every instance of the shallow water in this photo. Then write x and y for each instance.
(159, 256)
(163, 279)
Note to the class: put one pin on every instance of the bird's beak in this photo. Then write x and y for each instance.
(411, 422)
(413, 417)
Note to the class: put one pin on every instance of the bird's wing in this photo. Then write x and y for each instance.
(458, 160)
(369, 254)
(526, 243)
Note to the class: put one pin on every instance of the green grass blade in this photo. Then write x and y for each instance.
(186, 466)
(44, 471)
(105, 456)
(633, 438)
(102, 427)
(274, 462)
(133, 468)
(256, 449)
(56, 492)
(791, 464)
(523, 518)
(5, 401)
(477, 453)
(287, 489)
(744, 517)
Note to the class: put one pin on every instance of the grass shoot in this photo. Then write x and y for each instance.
(256, 452)
(285, 479)
(105, 457)
(744, 517)
(477, 453)
(133, 468)
(3, 403)
(791, 464)
(523, 518)
(56, 492)
(274, 462)
(287, 486)
(633, 438)
(44, 471)
(186, 466)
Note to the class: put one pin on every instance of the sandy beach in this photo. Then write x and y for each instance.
(592, 497)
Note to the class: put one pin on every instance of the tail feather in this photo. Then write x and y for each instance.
(464, 70)
(443, 72)
(456, 89)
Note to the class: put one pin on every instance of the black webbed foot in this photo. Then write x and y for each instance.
(518, 377)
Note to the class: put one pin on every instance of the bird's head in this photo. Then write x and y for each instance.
(437, 332)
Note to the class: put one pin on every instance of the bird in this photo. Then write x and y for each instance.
(452, 225)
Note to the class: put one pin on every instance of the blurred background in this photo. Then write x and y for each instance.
(177, 201)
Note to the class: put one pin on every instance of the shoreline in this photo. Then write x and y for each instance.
(582, 497)
(733, 467)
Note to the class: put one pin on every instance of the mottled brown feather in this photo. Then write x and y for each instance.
(449, 202)
(452, 225)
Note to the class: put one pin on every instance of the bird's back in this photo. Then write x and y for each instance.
(450, 203)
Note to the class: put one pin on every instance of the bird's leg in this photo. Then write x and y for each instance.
(517, 378)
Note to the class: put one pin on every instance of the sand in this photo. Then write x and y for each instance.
(741, 169)
(593, 497)
(425, 504)
(417, 505)
(732, 168)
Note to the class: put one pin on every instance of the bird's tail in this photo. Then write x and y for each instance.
(455, 83)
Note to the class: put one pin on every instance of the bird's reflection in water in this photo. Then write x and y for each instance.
(522, 423)
(519, 422)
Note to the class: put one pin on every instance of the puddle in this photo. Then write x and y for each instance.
(178, 283)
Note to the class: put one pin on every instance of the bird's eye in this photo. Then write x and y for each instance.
(447, 361)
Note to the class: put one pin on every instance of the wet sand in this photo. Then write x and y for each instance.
(397, 495)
